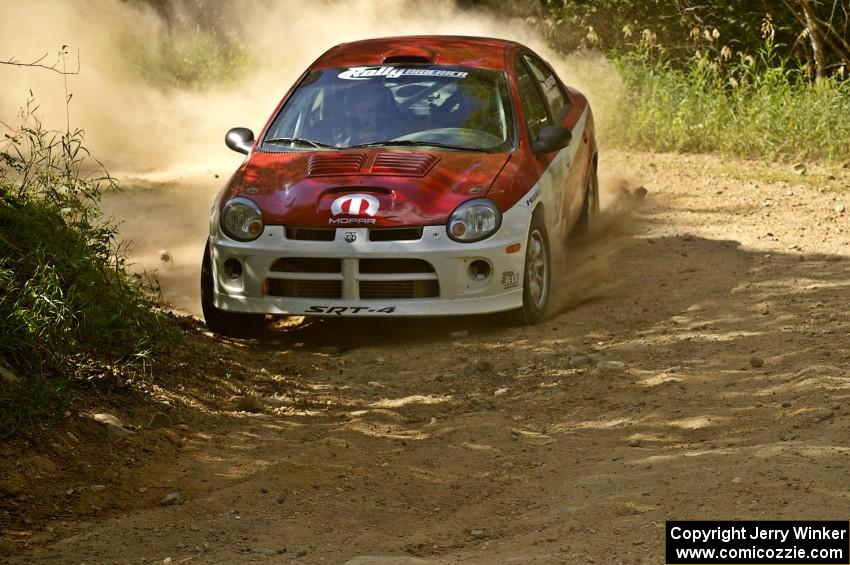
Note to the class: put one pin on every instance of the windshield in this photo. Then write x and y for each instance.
(451, 107)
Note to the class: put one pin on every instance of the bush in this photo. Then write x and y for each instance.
(65, 299)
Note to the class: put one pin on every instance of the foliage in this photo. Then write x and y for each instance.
(756, 107)
(65, 298)
(193, 58)
(678, 27)
(199, 46)
(758, 78)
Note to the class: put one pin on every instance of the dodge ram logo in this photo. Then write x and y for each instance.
(350, 236)
(355, 205)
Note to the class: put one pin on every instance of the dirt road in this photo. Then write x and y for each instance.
(710, 382)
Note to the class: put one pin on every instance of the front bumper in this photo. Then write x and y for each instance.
(360, 277)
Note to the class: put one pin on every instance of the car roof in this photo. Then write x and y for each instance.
(484, 52)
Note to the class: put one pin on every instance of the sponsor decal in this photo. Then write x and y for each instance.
(350, 236)
(355, 205)
(342, 310)
(364, 73)
(551, 90)
(510, 279)
(351, 221)
(533, 198)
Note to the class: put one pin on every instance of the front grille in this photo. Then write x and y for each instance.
(376, 290)
(376, 279)
(394, 266)
(311, 234)
(395, 234)
(304, 288)
(307, 265)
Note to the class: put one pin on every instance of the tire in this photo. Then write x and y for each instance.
(537, 275)
(221, 322)
(590, 208)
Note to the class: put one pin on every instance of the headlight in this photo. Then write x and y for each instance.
(474, 220)
(241, 219)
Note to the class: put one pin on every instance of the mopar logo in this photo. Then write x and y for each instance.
(351, 221)
(355, 205)
(350, 236)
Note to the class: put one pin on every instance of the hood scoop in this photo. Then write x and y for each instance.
(330, 165)
(388, 163)
(403, 164)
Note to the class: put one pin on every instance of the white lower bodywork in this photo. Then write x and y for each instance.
(459, 293)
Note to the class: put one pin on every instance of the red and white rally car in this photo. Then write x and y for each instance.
(405, 176)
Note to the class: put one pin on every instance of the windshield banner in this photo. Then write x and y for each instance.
(363, 73)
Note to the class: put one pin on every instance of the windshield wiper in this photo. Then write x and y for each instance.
(408, 142)
(300, 140)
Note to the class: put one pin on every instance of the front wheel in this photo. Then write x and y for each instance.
(537, 275)
(219, 321)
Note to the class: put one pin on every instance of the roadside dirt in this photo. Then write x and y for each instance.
(700, 371)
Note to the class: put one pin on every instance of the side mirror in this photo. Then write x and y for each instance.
(239, 139)
(552, 138)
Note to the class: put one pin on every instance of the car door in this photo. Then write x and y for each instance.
(567, 173)
(536, 115)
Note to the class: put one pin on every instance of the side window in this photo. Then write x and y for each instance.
(555, 97)
(533, 105)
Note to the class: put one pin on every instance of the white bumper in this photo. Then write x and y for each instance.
(367, 278)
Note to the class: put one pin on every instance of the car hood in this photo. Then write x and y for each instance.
(375, 187)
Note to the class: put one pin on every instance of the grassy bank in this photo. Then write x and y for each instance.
(68, 311)
(753, 107)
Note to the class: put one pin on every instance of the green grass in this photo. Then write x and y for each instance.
(752, 108)
(66, 304)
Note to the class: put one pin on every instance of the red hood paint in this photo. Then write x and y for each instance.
(281, 185)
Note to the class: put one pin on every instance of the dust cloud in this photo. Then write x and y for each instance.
(587, 268)
(165, 144)
(134, 126)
